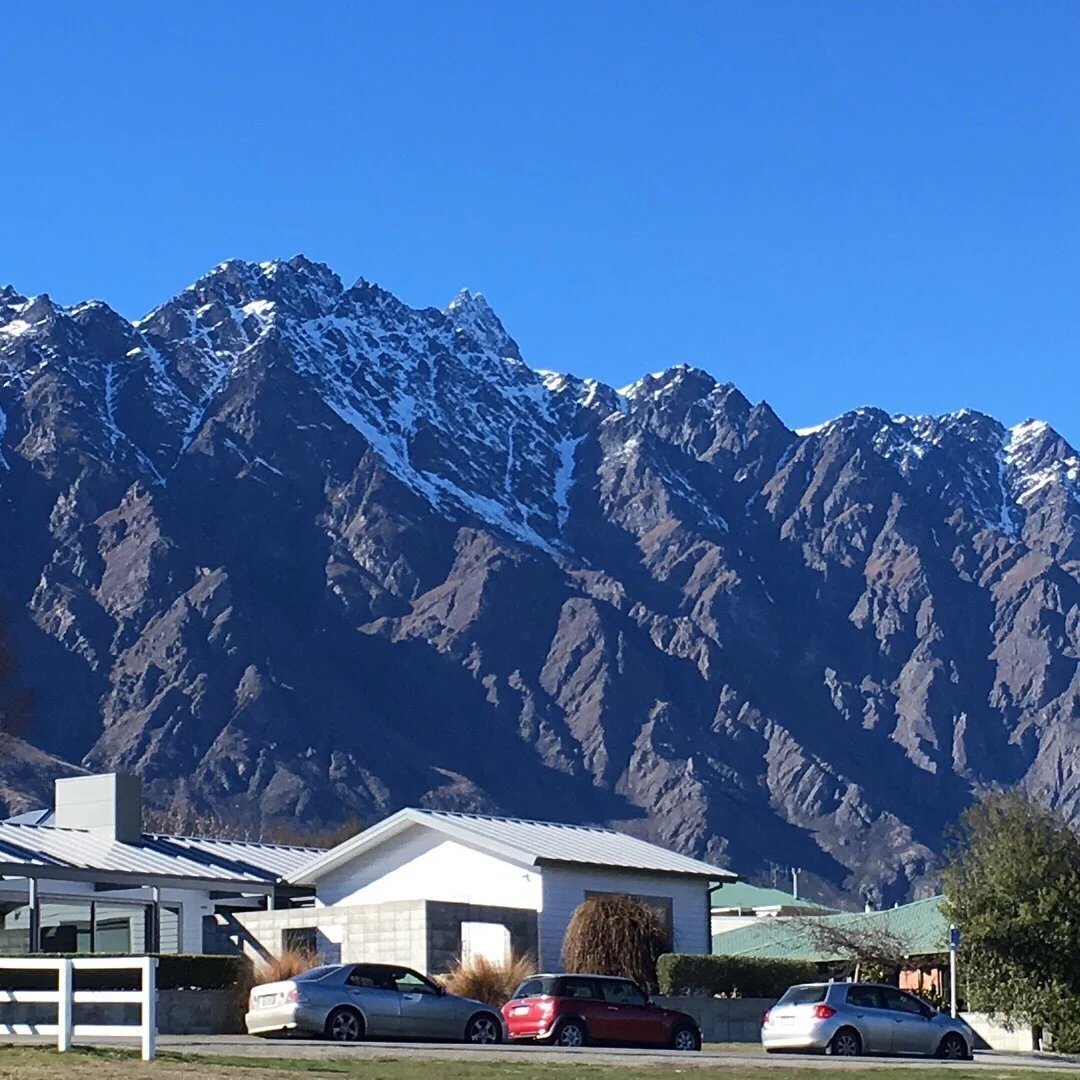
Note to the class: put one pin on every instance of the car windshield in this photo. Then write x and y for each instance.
(804, 995)
(316, 973)
(534, 987)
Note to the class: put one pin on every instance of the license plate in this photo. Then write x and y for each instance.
(519, 1009)
(266, 1000)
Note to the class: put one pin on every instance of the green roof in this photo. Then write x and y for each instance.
(739, 894)
(921, 926)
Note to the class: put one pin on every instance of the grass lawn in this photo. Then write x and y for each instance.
(44, 1063)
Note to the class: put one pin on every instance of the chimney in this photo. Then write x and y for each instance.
(109, 806)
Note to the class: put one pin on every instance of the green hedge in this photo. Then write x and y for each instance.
(175, 972)
(730, 976)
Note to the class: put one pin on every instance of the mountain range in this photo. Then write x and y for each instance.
(295, 551)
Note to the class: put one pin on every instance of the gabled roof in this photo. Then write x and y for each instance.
(921, 927)
(531, 843)
(740, 894)
(46, 851)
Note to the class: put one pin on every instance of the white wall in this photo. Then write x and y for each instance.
(722, 923)
(422, 864)
(564, 887)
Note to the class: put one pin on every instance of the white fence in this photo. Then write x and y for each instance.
(64, 997)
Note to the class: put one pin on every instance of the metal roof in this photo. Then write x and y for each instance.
(740, 894)
(533, 843)
(921, 926)
(45, 847)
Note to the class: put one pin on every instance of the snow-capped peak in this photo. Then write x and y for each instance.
(472, 315)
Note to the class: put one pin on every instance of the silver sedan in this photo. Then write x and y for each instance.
(849, 1019)
(348, 1002)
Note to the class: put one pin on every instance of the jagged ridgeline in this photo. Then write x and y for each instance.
(294, 550)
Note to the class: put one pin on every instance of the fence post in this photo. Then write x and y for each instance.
(149, 1007)
(64, 1005)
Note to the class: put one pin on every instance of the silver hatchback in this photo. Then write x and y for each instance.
(849, 1019)
(348, 1002)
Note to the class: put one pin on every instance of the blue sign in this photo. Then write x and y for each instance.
(954, 938)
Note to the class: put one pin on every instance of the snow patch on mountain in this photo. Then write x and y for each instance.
(1040, 460)
(564, 477)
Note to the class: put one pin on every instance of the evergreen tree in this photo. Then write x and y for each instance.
(1013, 887)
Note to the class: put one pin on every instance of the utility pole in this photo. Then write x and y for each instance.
(795, 882)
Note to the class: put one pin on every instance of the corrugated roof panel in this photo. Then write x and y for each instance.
(739, 894)
(547, 841)
(921, 926)
(268, 860)
(156, 856)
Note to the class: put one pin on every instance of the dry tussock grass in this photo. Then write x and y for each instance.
(288, 963)
(274, 969)
(487, 981)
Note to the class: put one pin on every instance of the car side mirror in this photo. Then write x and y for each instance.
(440, 990)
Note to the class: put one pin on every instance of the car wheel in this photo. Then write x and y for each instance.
(570, 1033)
(345, 1025)
(953, 1048)
(845, 1043)
(483, 1029)
(685, 1038)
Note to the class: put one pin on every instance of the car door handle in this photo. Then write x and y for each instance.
(613, 1008)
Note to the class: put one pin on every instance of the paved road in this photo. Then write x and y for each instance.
(751, 1055)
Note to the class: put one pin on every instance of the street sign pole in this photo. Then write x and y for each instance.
(954, 945)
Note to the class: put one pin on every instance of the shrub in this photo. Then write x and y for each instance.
(487, 981)
(615, 935)
(731, 976)
(175, 972)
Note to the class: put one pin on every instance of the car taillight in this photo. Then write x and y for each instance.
(294, 996)
(765, 1018)
(545, 1005)
(823, 1012)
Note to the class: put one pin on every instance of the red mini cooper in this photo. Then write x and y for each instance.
(576, 1010)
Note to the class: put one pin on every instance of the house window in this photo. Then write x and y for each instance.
(66, 928)
(120, 928)
(660, 904)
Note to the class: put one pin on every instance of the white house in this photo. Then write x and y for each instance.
(421, 888)
(424, 887)
(84, 877)
(738, 904)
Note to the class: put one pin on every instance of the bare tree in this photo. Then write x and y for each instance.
(860, 941)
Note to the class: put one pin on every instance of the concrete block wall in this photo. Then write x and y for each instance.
(392, 933)
(444, 930)
(735, 1020)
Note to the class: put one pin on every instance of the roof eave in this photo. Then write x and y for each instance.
(393, 826)
(134, 879)
(708, 875)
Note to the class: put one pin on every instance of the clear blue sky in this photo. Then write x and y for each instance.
(830, 204)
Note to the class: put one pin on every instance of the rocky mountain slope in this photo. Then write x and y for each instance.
(292, 549)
